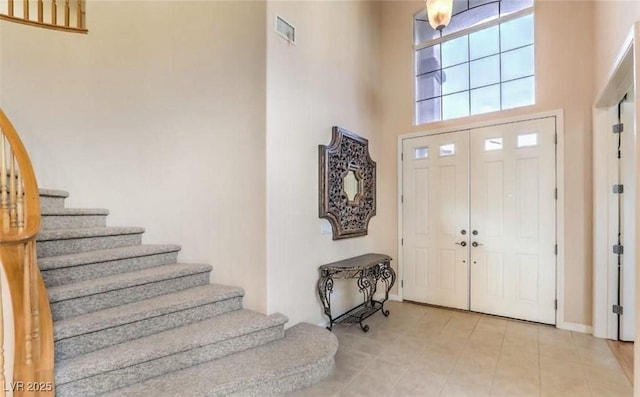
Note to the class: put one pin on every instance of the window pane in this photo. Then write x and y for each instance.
(428, 59)
(471, 18)
(518, 93)
(427, 111)
(421, 152)
(485, 71)
(475, 3)
(455, 51)
(455, 105)
(492, 144)
(428, 85)
(459, 6)
(518, 63)
(485, 42)
(448, 150)
(516, 33)
(422, 31)
(485, 100)
(455, 79)
(527, 140)
(511, 6)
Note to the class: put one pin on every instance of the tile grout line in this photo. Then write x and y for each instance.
(539, 361)
(464, 347)
(582, 364)
(495, 368)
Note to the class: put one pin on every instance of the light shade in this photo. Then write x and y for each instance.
(439, 13)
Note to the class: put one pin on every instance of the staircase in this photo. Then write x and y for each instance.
(129, 320)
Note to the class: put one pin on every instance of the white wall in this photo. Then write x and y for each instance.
(564, 80)
(328, 78)
(157, 114)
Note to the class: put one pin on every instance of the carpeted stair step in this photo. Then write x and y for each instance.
(71, 241)
(73, 218)
(94, 331)
(132, 362)
(303, 357)
(50, 199)
(74, 268)
(105, 292)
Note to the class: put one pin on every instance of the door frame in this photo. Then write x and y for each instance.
(623, 74)
(560, 206)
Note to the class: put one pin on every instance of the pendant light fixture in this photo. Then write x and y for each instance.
(439, 13)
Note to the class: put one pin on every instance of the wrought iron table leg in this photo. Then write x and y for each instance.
(388, 276)
(367, 285)
(325, 287)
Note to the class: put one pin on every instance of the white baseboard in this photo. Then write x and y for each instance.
(585, 329)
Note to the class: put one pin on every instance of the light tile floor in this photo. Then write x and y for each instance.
(426, 351)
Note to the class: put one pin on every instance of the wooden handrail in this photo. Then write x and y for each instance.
(19, 224)
(46, 15)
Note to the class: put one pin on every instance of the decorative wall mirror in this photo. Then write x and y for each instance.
(347, 184)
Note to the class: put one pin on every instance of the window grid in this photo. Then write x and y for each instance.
(498, 20)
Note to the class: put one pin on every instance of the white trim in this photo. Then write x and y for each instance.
(400, 223)
(560, 214)
(575, 327)
(621, 77)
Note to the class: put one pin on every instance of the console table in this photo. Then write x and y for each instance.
(368, 269)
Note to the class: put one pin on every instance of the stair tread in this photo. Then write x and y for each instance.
(98, 256)
(124, 280)
(53, 193)
(73, 211)
(303, 346)
(66, 234)
(165, 343)
(144, 309)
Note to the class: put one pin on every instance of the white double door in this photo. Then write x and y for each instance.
(479, 219)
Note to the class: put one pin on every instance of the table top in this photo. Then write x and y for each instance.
(357, 262)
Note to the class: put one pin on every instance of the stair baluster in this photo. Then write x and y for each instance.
(20, 213)
(54, 12)
(45, 17)
(4, 196)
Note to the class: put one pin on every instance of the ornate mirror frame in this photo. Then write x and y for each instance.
(347, 152)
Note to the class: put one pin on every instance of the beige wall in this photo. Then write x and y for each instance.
(328, 78)
(564, 80)
(613, 22)
(159, 115)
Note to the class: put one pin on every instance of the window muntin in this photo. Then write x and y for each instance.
(488, 60)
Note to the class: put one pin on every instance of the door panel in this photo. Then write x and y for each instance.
(435, 190)
(513, 268)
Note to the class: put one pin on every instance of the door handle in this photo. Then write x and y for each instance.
(475, 244)
(462, 243)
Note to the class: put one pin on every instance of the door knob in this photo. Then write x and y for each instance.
(462, 243)
(475, 244)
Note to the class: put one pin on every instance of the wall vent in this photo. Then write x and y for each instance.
(285, 30)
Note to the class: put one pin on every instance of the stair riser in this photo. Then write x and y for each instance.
(279, 387)
(72, 347)
(74, 274)
(87, 304)
(50, 203)
(73, 246)
(51, 222)
(127, 376)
